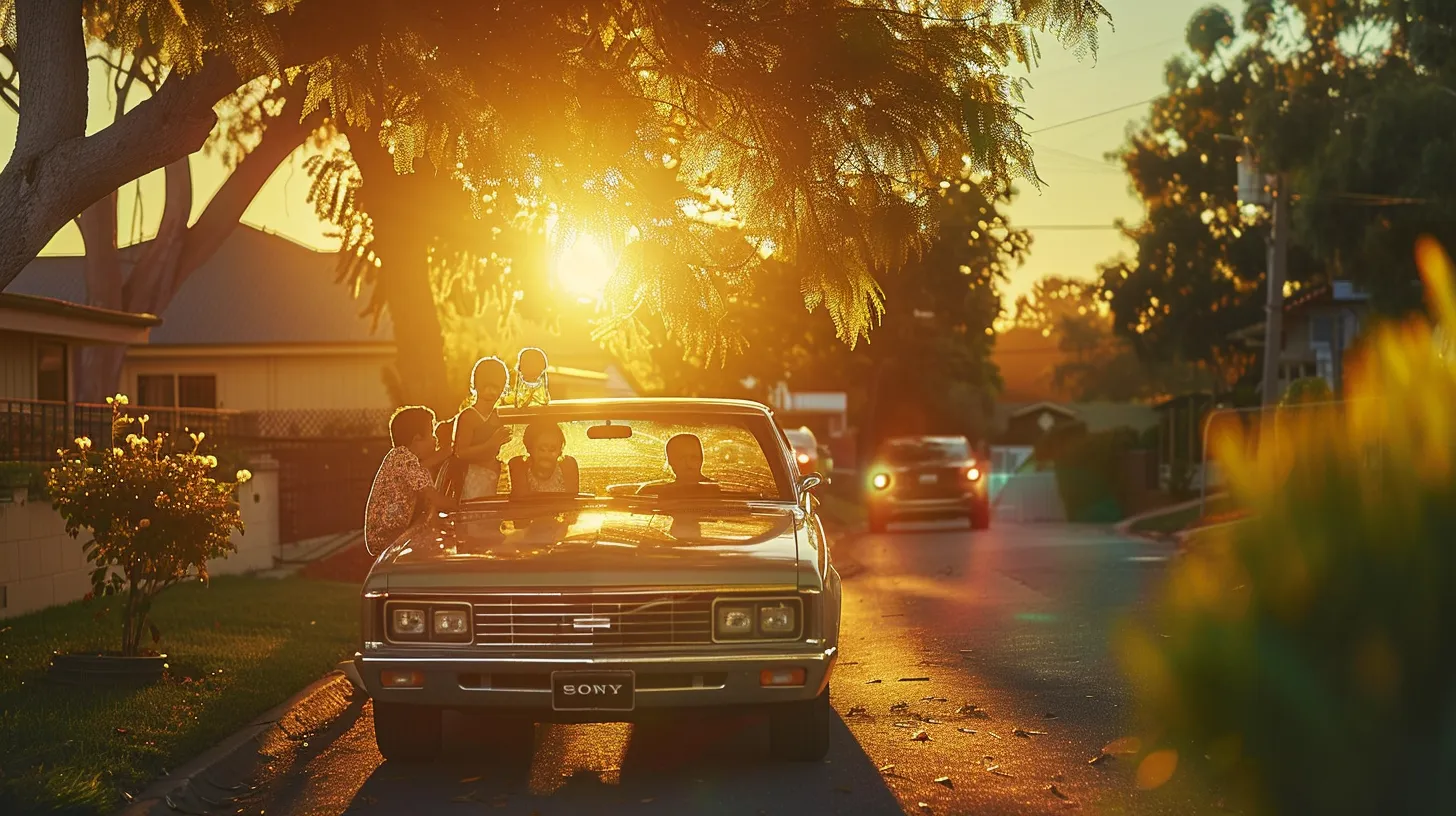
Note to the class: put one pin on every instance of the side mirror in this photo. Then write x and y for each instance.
(810, 482)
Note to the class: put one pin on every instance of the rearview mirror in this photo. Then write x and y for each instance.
(810, 482)
(609, 431)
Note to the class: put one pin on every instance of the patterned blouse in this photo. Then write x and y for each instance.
(393, 497)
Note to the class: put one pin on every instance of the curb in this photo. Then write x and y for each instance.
(319, 705)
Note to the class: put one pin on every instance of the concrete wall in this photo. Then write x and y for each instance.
(41, 566)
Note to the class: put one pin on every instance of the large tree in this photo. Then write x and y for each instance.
(819, 119)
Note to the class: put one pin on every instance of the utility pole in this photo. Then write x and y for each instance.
(1274, 306)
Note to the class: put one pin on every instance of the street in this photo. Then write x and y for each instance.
(1014, 621)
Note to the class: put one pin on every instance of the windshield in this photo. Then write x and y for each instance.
(714, 455)
(916, 451)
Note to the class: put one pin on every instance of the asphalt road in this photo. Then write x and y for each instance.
(1017, 621)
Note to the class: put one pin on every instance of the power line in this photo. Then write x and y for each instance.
(1071, 227)
(1088, 117)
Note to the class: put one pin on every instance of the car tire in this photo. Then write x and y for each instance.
(981, 518)
(879, 522)
(799, 731)
(407, 733)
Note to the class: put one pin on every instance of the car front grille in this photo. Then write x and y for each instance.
(595, 619)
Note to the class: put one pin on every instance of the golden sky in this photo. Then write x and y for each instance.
(1080, 188)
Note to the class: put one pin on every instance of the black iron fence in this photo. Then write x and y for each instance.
(31, 431)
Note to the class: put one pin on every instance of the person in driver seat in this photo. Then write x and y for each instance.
(685, 458)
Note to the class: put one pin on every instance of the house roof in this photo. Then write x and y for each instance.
(1334, 293)
(1097, 416)
(57, 318)
(257, 288)
(1044, 405)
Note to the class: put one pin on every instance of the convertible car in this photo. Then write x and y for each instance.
(678, 576)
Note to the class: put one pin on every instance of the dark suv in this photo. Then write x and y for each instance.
(923, 477)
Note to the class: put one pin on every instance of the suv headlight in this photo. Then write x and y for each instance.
(407, 622)
(450, 624)
(757, 619)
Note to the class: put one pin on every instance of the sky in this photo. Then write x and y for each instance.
(1086, 105)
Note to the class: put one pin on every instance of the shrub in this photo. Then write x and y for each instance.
(1310, 652)
(156, 515)
(1307, 390)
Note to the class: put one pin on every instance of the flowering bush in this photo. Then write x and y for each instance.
(156, 514)
(1310, 651)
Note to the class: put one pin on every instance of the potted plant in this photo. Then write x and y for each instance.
(156, 515)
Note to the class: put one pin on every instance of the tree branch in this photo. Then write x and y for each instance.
(51, 55)
(9, 89)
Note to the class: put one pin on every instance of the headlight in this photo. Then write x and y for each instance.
(416, 622)
(973, 473)
(777, 620)
(803, 458)
(734, 621)
(880, 481)
(450, 624)
(766, 619)
(407, 622)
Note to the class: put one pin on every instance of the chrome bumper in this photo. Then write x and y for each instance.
(927, 507)
(522, 684)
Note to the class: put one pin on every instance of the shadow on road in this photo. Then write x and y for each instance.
(704, 764)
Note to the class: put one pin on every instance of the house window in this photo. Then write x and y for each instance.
(177, 390)
(196, 391)
(1322, 331)
(157, 390)
(50, 372)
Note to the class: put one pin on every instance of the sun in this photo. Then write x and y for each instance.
(582, 269)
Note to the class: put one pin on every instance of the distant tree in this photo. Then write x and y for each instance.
(816, 122)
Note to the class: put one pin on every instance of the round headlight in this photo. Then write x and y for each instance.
(973, 473)
(880, 481)
(803, 458)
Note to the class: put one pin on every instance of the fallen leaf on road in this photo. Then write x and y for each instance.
(972, 710)
(931, 720)
(996, 769)
(920, 736)
(884, 769)
(1122, 746)
(945, 780)
(1050, 715)
(914, 679)
(467, 780)
(933, 700)
(905, 725)
(855, 711)
(900, 706)
(1052, 789)
(966, 730)
(1099, 759)
(123, 731)
(1023, 733)
(468, 797)
(923, 806)
(872, 682)
(994, 734)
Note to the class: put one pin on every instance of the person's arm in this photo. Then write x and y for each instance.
(438, 500)
(571, 474)
(517, 469)
(483, 452)
(433, 460)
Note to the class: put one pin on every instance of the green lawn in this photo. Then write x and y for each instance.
(1175, 520)
(236, 648)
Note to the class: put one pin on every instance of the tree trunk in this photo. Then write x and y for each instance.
(56, 171)
(404, 209)
(98, 373)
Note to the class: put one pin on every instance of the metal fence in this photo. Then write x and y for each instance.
(1252, 428)
(31, 431)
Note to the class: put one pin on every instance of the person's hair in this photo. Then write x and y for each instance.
(682, 438)
(409, 422)
(538, 429)
(475, 375)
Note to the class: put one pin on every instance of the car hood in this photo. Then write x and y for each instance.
(512, 548)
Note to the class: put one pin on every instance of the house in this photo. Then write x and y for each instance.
(262, 327)
(1023, 423)
(1320, 325)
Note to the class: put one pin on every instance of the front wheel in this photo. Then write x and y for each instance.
(981, 517)
(407, 733)
(799, 731)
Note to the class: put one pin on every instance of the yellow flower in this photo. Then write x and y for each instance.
(244, 475)
(119, 399)
(144, 524)
(83, 442)
(210, 460)
(116, 452)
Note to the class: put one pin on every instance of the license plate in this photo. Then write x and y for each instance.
(593, 690)
(927, 478)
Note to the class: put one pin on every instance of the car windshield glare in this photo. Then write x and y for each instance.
(917, 451)
(713, 456)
